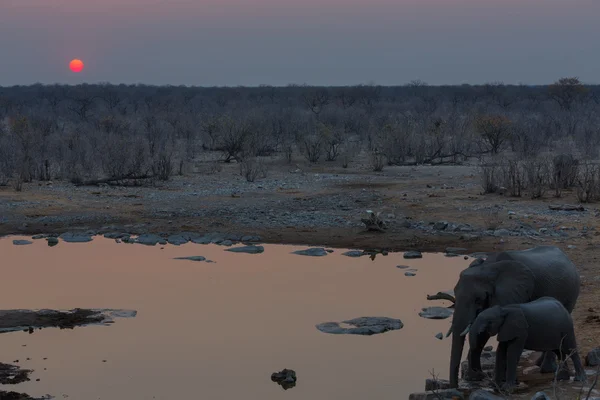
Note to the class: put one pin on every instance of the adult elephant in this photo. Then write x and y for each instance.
(503, 278)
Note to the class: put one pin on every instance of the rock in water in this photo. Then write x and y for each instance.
(354, 253)
(177, 240)
(436, 313)
(52, 241)
(409, 273)
(413, 254)
(191, 258)
(439, 336)
(313, 252)
(247, 249)
(362, 326)
(149, 239)
(70, 237)
(286, 378)
(20, 242)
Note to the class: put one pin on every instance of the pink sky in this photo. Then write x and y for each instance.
(230, 42)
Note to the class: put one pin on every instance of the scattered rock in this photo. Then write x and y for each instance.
(448, 394)
(40, 236)
(150, 239)
(436, 384)
(70, 237)
(20, 242)
(116, 235)
(409, 273)
(440, 226)
(412, 255)
(247, 249)
(402, 266)
(354, 253)
(456, 250)
(312, 252)
(177, 240)
(191, 258)
(435, 313)
(593, 358)
(501, 232)
(439, 336)
(285, 378)
(52, 241)
(362, 326)
(482, 394)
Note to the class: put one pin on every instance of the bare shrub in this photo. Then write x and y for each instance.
(564, 172)
(513, 177)
(538, 177)
(587, 182)
(378, 160)
(252, 168)
(311, 147)
(492, 220)
(18, 183)
(349, 152)
(490, 177)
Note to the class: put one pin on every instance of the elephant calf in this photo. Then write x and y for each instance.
(540, 325)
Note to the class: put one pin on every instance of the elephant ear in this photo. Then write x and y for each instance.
(515, 326)
(515, 283)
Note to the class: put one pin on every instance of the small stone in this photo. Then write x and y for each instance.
(412, 255)
(402, 266)
(440, 226)
(439, 336)
(593, 358)
(362, 326)
(52, 241)
(408, 273)
(571, 246)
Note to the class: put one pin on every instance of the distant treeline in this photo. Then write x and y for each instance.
(104, 131)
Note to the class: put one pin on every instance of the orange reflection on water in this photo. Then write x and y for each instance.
(218, 331)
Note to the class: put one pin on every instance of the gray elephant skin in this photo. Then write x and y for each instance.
(504, 278)
(540, 325)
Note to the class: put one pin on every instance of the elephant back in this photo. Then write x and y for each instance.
(555, 274)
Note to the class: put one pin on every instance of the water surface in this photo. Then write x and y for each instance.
(218, 330)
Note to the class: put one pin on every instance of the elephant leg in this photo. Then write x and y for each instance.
(580, 375)
(562, 372)
(547, 362)
(474, 357)
(500, 370)
(514, 350)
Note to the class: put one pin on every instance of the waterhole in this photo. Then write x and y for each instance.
(217, 330)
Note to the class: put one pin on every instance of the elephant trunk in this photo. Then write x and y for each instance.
(458, 343)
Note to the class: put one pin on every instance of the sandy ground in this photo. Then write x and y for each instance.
(322, 205)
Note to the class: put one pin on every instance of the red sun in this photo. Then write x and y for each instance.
(76, 65)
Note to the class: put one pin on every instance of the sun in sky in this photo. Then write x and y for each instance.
(76, 65)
